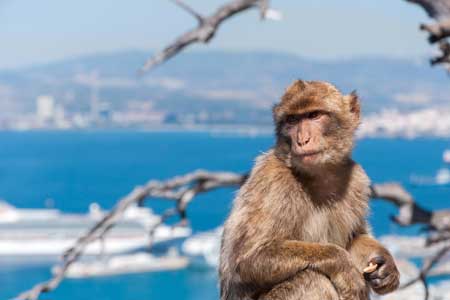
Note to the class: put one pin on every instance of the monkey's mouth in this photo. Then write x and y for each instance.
(308, 154)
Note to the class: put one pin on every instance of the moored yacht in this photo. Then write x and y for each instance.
(30, 232)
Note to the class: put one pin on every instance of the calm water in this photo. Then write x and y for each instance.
(77, 168)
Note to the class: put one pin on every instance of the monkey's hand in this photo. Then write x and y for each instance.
(346, 278)
(385, 278)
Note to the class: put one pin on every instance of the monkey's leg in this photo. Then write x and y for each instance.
(306, 285)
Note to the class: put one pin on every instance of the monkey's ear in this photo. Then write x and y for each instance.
(276, 114)
(352, 101)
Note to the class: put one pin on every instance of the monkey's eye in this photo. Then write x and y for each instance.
(314, 114)
(292, 119)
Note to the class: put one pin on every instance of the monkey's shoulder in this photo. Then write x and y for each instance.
(358, 170)
(359, 183)
(269, 170)
(268, 163)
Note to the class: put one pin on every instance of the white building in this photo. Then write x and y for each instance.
(45, 107)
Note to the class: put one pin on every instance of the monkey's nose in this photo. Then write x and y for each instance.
(303, 141)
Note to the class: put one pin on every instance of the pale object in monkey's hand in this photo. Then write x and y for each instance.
(370, 268)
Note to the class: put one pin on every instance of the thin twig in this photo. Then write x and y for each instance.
(189, 9)
(428, 265)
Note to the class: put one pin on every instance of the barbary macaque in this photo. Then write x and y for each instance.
(298, 226)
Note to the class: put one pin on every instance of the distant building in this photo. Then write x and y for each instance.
(45, 108)
(104, 111)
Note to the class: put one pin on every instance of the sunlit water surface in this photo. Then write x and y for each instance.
(77, 168)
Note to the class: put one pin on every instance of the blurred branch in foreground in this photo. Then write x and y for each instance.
(438, 31)
(207, 27)
(183, 189)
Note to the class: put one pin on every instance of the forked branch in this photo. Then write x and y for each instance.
(410, 212)
(180, 189)
(205, 30)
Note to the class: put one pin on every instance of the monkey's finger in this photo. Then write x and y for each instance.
(370, 268)
(376, 283)
(383, 286)
(377, 275)
(370, 277)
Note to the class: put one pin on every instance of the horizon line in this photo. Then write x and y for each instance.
(416, 59)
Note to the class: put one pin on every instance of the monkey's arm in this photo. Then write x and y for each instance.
(364, 249)
(281, 260)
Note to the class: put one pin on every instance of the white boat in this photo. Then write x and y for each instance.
(126, 264)
(31, 232)
(446, 156)
(203, 249)
(443, 176)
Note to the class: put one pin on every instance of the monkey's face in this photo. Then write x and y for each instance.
(315, 124)
(306, 133)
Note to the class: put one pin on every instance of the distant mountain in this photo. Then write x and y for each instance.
(217, 86)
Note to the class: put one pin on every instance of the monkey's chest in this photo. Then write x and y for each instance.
(334, 224)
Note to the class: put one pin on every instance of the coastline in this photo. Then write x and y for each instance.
(235, 130)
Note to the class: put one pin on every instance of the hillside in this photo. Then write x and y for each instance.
(213, 87)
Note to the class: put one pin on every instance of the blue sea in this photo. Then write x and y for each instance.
(76, 168)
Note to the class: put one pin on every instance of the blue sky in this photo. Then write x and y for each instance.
(33, 32)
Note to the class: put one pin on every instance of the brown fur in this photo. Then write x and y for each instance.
(297, 230)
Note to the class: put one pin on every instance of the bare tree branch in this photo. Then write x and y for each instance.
(181, 189)
(444, 58)
(427, 266)
(409, 212)
(208, 26)
(437, 9)
(204, 32)
(437, 31)
(437, 237)
(440, 30)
